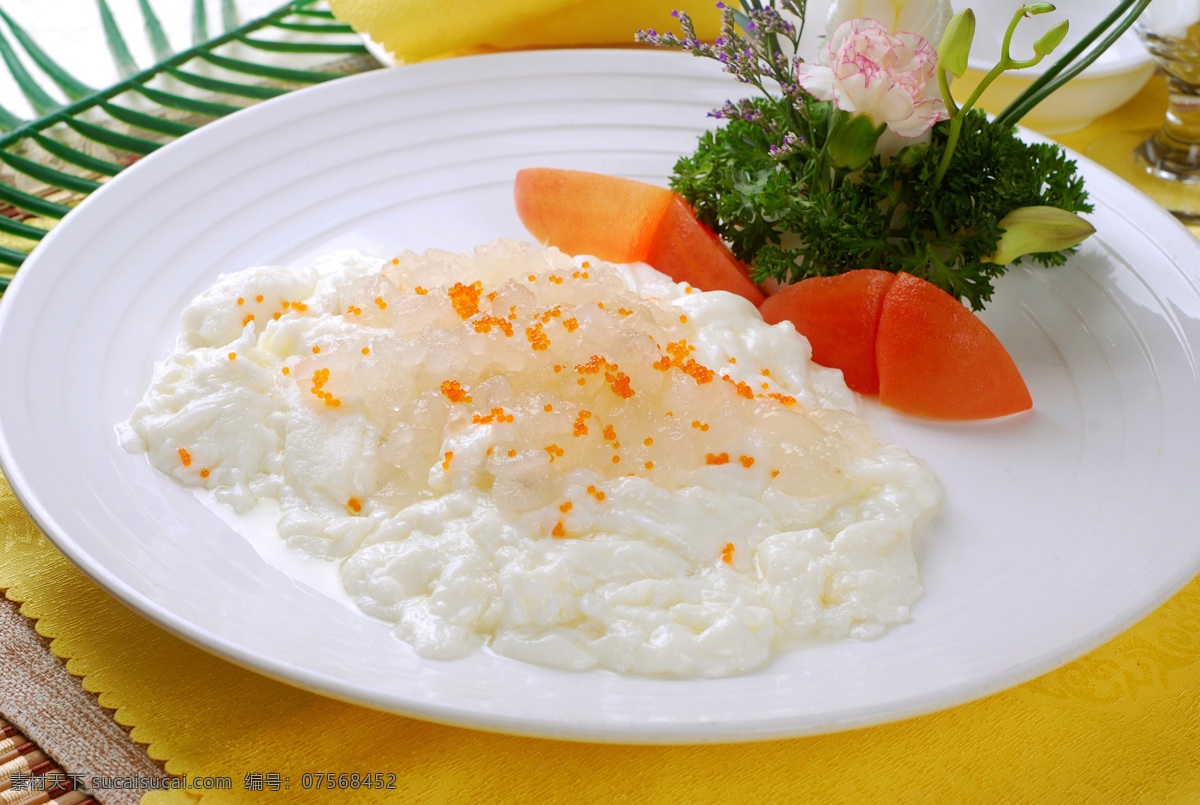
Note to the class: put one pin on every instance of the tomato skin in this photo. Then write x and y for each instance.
(840, 318)
(688, 251)
(937, 359)
(590, 213)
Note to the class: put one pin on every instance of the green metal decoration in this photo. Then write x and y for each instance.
(49, 165)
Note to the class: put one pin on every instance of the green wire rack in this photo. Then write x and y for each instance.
(52, 163)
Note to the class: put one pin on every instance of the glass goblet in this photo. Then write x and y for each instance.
(1164, 163)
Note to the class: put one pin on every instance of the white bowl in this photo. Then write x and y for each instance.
(1107, 84)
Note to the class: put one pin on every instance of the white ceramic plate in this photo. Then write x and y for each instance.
(1063, 526)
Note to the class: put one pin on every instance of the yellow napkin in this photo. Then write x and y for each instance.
(420, 29)
(1119, 725)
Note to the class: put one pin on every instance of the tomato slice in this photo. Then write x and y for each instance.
(937, 359)
(589, 213)
(840, 317)
(687, 251)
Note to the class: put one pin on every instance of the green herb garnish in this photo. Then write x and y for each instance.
(800, 187)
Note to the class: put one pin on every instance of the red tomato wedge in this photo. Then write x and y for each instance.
(590, 213)
(627, 221)
(840, 318)
(687, 251)
(937, 359)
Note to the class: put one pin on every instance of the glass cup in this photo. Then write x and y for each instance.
(1164, 163)
(1170, 30)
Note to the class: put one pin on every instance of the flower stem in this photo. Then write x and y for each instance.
(1051, 80)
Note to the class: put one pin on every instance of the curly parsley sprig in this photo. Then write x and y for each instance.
(794, 185)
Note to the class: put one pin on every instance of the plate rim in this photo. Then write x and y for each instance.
(450, 714)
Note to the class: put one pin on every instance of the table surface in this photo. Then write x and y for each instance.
(67, 720)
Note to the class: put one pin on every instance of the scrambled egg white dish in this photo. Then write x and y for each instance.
(576, 464)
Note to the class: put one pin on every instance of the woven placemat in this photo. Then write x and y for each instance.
(92, 759)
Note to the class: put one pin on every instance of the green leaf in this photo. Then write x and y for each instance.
(154, 32)
(126, 66)
(38, 99)
(71, 132)
(67, 83)
(229, 15)
(199, 23)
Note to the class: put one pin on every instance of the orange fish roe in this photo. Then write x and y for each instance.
(698, 372)
(766, 386)
(204, 473)
(395, 261)
(766, 372)
(320, 378)
(700, 426)
(554, 450)
(233, 356)
(717, 460)
(287, 371)
(512, 453)
(553, 313)
(619, 383)
(558, 530)
(624, 311)
(743, 389)
(486, 322)
(586, 264)
(727, 553)
(241, 301)
(355, 310)
(548, 408)
(557, 368)
(316, 350)
(566, 507)
(747, 461)
(366, 350)
(354, 505)
(648, 441)
(663, 364)
(497, 415)
(466, 298)
(492, 296)
(783, 398)
(649, 465)
(733, 360)
(537, 339)
(533, 277)
(258, 298)
(596, 493)
(610, 432)
(556, 279)
(248, 319)
(774, 473)
(454, 392)
(575, 275)
(593, 367)
(581, 428)
(419, 291)
(185, 457)
(571, 324)
(446, 460)
(382, 304)
(299, 306)
(276, 315)
(683, 319)
(616, 459)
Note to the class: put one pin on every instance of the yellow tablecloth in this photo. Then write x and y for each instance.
(1121, 724)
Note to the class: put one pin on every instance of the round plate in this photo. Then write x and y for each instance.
(1062, 526)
